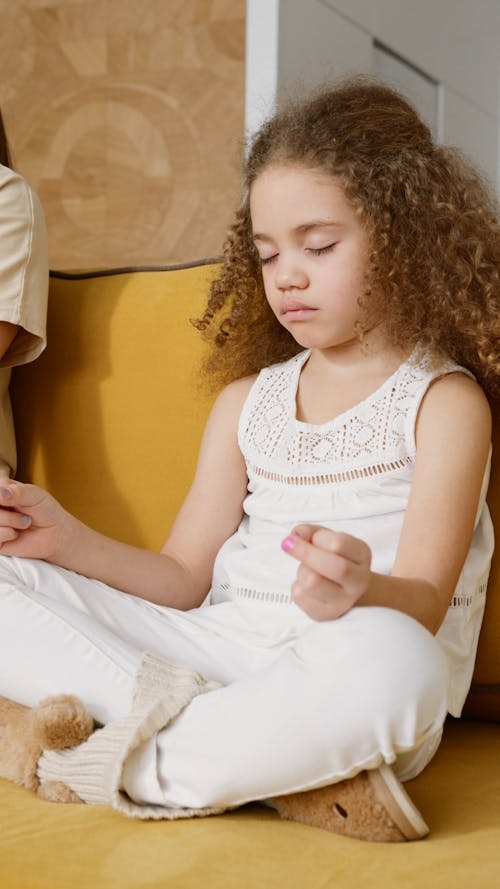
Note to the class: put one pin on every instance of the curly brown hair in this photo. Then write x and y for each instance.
(433, 271)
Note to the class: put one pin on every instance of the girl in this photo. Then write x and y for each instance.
(23, 288)
(343, 534)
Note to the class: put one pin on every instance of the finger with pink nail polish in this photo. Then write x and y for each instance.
(289, 543)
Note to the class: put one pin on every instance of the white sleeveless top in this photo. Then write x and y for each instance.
(352, 474)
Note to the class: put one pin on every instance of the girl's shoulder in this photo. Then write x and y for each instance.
(441, 384)
(246, 389)
(241, 388)
(282, 370)
(423, 371)
(457, 390)
(454, 409)
(234, 395)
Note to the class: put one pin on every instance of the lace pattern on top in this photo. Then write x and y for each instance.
(329, 478)
(241, 592)
(461, 601)
(374, 433)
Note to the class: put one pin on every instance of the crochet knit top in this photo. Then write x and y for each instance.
(351, 474)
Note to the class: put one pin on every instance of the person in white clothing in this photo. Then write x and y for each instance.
(343, 536)
(24, 285)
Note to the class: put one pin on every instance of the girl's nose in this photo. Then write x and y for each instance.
(289, 275)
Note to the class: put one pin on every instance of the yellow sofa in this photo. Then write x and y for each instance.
(109, 419)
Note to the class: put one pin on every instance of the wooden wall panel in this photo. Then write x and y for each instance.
(127, 117)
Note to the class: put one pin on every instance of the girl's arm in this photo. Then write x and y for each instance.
(453, 440)
(180, 575)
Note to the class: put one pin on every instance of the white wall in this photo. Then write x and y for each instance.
(296, 44)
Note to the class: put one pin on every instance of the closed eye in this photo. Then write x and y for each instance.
(317, 251)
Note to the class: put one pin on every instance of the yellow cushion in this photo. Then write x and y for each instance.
(47, 846)
(109, 419)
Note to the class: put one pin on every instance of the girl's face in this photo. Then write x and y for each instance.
(313, 251)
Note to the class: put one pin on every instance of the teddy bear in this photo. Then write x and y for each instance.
(56, 723)
(365, 807)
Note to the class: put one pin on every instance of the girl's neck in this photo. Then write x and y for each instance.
(353, 359)
(333, 381)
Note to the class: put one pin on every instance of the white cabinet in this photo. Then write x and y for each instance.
(444, 54)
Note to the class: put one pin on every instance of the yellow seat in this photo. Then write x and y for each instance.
(109, 420)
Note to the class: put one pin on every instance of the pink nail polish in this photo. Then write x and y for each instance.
(288, 544)
(6, 494)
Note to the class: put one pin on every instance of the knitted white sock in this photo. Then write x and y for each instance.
(94, 769)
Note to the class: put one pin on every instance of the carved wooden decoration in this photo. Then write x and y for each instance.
(127, 119)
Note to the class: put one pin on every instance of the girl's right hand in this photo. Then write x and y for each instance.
(32, 523)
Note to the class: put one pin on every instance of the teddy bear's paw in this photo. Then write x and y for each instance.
(19, 751)
(57, 792)
(61, 721)
(18, 760)
(9, 711)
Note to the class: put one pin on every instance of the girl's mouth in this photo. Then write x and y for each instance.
(293, 310)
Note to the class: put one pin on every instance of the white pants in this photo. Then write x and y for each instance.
(304, 704)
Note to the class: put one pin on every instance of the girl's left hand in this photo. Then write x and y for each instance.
(334, 570)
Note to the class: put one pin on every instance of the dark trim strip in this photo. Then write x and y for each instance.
(483, 703)
(126, 270)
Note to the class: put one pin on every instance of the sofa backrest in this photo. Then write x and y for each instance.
(109, 418)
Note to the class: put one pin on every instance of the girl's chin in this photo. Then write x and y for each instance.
(322, 343)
